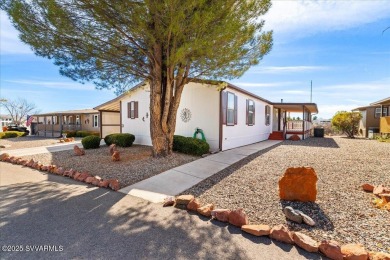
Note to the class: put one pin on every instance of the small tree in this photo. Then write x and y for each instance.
(347, 122)
(18, 109)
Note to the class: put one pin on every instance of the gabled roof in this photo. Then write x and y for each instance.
(385, 101)
(70, 112)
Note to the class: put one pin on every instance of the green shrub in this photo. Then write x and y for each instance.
(190, 145)
(70, 133)
(86, 133)
(122, 140)
(11, 134)
(91, 142)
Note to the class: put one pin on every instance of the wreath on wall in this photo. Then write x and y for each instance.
(185, 115)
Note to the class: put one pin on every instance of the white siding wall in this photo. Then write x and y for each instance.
(138, 127)
(242, 134)
(203, 102)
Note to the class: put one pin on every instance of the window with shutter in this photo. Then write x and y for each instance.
(132, 109)
(250, 112)
(231, 117)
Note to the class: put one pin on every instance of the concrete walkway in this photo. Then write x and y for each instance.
(43, 149)
(179, 179)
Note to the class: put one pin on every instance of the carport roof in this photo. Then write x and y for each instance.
(297, 107)
(70, 112)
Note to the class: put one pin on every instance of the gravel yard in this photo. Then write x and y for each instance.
(136, 162)
(343, 211)
(27, 142)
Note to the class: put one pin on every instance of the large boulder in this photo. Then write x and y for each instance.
(282, 233)
(257, 230)
(238, 218)
(305, 242)
(184, 199)
(331, 249)
(354, 252)
(298, 184)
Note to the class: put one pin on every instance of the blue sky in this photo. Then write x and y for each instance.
(339, 45)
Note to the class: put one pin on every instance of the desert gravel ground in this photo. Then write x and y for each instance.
(28, 142)
(343, 212)
(136, 162)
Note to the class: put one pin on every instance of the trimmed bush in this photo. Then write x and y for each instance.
(190, 145)
(86, 133)
(11, 134)
(91, 142)
(70, 134)
(122, 140)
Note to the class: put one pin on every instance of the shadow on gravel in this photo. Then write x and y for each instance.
(314, 211)
(100, 224)
(325, 142)
(206, 184)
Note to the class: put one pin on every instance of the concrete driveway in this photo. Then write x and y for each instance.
(77, 221)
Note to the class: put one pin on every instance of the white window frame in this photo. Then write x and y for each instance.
(267, 113)
(251, 112)
(230, 109)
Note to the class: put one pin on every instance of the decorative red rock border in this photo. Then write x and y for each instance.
(329, 248)
(112, 184)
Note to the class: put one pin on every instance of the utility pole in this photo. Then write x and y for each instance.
(311, 91)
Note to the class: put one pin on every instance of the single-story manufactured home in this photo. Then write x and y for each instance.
(229, 117)
(375, 118)
(53, 124)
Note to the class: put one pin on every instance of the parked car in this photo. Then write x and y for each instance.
(18, 129)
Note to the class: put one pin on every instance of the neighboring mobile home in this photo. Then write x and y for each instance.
(372, 117)
(229, 117)
(55, 123)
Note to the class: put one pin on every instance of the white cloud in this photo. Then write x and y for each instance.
(299, 18)
(9, 41)
(53, 84)
(266, 85)
(288, 69)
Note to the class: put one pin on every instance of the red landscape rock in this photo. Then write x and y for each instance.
(19, 161)
(385, 197)
(44, 168)
(221, 214)
(298, 184)
(368, 187)
(257, 230)
(184, 199)
(75, 176)
(305, 242)
(78, 151)
(193, 205)
(112, 148)
(116, 156)
(89, 180)
(282, 233)
(12, 159)
(114, 184)
(30, 163)
(378, 256)
(238, 218)
(169, 201)
(380, 189)
(95, 181)
(83, 176)
(3, 156)
(104, 184)
(331, 249)
(23, 162)
(205, 210)
(354, 252)
(294, 138)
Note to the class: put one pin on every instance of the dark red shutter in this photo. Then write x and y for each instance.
(128, 110)
(235, 109)
(224, 107)
(247, 111)
(254, 114)
(135, 109)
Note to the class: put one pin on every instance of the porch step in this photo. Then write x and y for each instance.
(276, 135)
